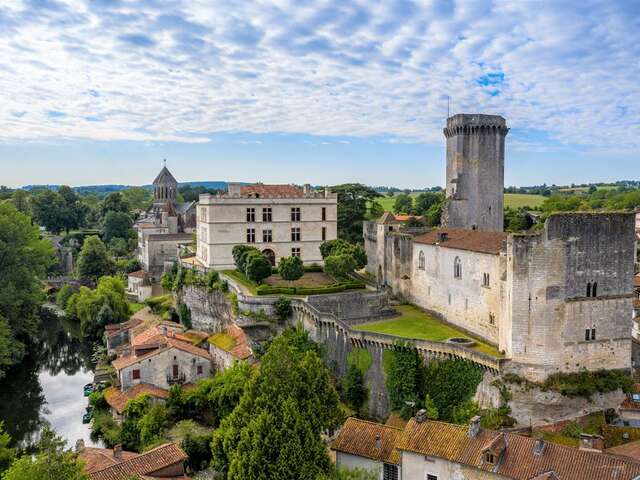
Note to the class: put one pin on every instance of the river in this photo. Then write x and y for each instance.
(47, 387)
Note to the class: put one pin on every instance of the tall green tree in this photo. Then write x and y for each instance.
(274, 432)
(114, 202)
(354, 392)
(353, 199)
(24, 259)
(7, 453)
(403, 204)
(52, 461)
(137, 197)
(116, 225)
(21, 200)
(94, 260)
(425, 200)
(49, 210)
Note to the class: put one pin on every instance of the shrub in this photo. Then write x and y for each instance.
(585, 383)
(338, 266)
(97, 401)
(258, 267)
(283, 308)
(185, 315)
(239, 253)
(160, 305)
(291, 268)
(354, 392)
(63, 296)
(198, 449)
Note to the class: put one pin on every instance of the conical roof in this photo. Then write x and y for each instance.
(165, 178)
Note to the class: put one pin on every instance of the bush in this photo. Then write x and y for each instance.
(585, 383)
(239, 253)
(327, 248)
(338, 266)
(64, 295)
(335, 288)
(283, 308)
(291, 268)
(198, 448)
(258, 267)
(97, 401)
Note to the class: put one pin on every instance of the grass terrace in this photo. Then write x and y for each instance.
(222, 340)
(416, 324)
(309, 279)
(512, 200)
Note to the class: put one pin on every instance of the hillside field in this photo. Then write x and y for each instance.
(512, 200)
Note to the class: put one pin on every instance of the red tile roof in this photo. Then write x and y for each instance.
(144, 464)
(629, 450)
(100, 458)
(405, 218)
(188, 347)
(241, 349)
(473, 240)
(287, 191)
(140, 274)
(166, 344)
(358, 437)
(118, 400)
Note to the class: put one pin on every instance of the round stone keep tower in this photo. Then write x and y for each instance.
(475, 172)
(165, 189)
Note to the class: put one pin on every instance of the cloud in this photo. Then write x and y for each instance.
(183, 70)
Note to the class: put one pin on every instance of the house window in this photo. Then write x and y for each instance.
(324, 233)
(421, 260)
(485, 280)
(389, 472)
(136, 374)
(175, 371)
(267, 236)
(457, 268)
(295, 252)
(295, 214)
(266, 214)
(590, 334)
(199, 370)
(295, 234)
(251, 214)
(324, 214)
(251, 235)
(489, 458)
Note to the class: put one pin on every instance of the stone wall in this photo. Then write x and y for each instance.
(210, 311)
(398, 253)
(353, 307)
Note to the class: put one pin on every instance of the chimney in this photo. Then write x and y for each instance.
(79, 445)
(474, 427)
(442, 237)
(421, 416)
(378, 442)
(591, 443)
(306, 189)
(117, 451)
(233, 189)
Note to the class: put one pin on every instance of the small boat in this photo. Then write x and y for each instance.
(88, 389)
(86, 418)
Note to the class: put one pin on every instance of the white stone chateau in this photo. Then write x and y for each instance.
(279, 220)
(557, 299)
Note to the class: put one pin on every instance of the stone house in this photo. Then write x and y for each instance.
(430, 450)
(163, 361)
(239, 349)
(139, 285)
(279, 220)
(165, 461)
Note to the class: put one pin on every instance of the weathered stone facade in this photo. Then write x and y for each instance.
(210, 311)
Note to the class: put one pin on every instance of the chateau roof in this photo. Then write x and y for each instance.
(165, 178)
(118, 400)
(144, 464)
(286, 191)
(473, 240)
(358, 437)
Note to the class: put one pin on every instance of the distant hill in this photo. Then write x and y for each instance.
(103, 190)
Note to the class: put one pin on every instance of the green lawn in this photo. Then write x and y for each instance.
(241, 279)
(414, 323)
(513, 200)
(136, 307)
(518, 200)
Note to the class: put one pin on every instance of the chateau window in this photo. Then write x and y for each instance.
(594, 289)
(295, 234)
(389, 472)
(251, 214)
(135, 374)
(432, 477)
(251, 235)
(266, 214)
(324, 233)
(324, 214)
(203, 214)
(267, 236)
(457, 268)
(295, 214)
(589, 289)
(485, 280)
(295, 252)
(590, 334)
(421, 260)
(492, 319)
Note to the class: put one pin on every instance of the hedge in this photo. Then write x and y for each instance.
(335, 288)
(313, 268)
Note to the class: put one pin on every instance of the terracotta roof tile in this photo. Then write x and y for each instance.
(358, 437)
(100, 458)
(188, 347)
(629, 450)
(139, 274)
(288, 191)
(405, 218)
(144, 464)
(387, 218)
(118, 400)
(473, 240)
(241, 349)
(167, 343)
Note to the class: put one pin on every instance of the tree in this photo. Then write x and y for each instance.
(7, 453)
(404, 377)
(52, 461)
(283, 308)
(516, 220)
(198, 448)
(403, 204)
(74, 210)
(434, 214)
(48, 210)
(342, 247)
(425, 200)
(21, 200)
(258, 267)
(430, 407)
(94, 260)
(116, 225)
(353, 199)
(114, 202)
(375, 210)
(338, 266)
(291, 268)
(153, 425)
(136, 197)
(354, 392)
(274, 432)
(24, 259)
(240, 253)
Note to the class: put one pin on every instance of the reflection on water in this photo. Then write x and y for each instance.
(47, 386)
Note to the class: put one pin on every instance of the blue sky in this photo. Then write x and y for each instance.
(330, 91)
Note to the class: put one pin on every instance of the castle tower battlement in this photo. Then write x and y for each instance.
(475, 172)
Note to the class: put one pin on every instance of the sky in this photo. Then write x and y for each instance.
(321, 92)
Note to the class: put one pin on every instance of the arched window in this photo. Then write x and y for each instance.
(457, 268)
(421, 260)
(594, 290)
(589, 289)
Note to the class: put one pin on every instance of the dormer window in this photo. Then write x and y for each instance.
(489, 458)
